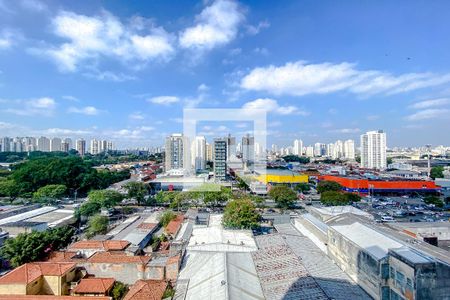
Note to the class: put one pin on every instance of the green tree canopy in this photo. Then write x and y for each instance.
(240, 213)
(166, 217)
(136, 190)
(50, 192)
(106, 198)
(325, 186)
(437, 172)
(35, 246)
(333, 198)
(432, 199)
(118, 291)
(97, 224)
(9, 188)
(283, 196)
(303, 187)
(295, 158)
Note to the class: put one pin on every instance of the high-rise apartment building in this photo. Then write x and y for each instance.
(349, 149)
(199, 153)
(298, 147)
(231, 146)
(220, 159)
(209, 152)
(69, 142)
(319, 149)
(6, 144)
(373, 150)
(55, 144)
(248, 148)
(81, 146)
(177, 152)
(338, 151)
(330, 150)
(310, 151)
(43, 144)
(94, 148)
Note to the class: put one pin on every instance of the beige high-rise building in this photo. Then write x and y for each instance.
(81, 147)
(177, 153)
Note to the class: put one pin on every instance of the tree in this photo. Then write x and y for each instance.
(97, 225)
(431, 199)
(302, 187)
(136, 190)
(166, 217)
(240, 213)
(34, 246)
(106, 198)
(325, 186)
(283, 196)
(295, 158)
(389, 160)
(10, 189)
(118, 291)
(333, 198)
(437, 172)
(89, 208)
(351, 197)
(50, 192)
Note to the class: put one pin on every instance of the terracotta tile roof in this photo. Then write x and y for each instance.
(94, 285)
(64, 256)
(27, 273)
(146, 290)
(109, 245)
(50, 297)
(108, 257)
(173, 259)
(174, 225)
(147, 225)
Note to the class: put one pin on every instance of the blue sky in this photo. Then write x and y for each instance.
(324, 70)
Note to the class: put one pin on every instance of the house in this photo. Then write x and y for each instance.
(94, 287)
(39, 278)
(174, 226)
(147, 289)
(89, 247)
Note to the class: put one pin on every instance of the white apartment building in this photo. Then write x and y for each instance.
(43, 144)
(199, 153)
(349, 149)
(373, 150)
(310, 151)
(81, 147)
(177, 152)
(298, 147)
(55, 144)
(94, 147)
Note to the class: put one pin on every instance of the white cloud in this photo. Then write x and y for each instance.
(203, 88)
(65, 132)
(71, 98)
(346, 130)
(300, 78)
(430, 103)
(216, 25)
(90, 38)
(431, 113)
(44, 106)
(164, 100)
(255, 29)
(87, 110)
(136, 116)
(33, 5)
(271, 105)
(108, 76)
(6, 39)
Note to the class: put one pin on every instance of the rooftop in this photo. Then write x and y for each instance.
(109, 245)
(174, 225)
(94, 285)
(107, 257)
(50, 297)
(146, 290)
(29, 272)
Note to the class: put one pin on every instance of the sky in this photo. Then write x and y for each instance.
(322, 70)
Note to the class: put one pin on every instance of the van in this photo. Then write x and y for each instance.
(387, 219)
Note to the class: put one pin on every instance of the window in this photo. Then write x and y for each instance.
(385, 271)
(392, 273)
(409, 284)
(400, 279)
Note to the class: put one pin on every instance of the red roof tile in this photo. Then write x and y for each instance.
(64, 256)
(50, 297)
(29, 272)
(109, 245)
(146, 290)
(94, 285)
(174, 225)
(108, 257)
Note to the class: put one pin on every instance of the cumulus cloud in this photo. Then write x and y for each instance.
(430, 103)
(216, 25)
(255, 29)
(136, 116)
(301, 78)
(43, 106)
(7, 40)
(271, 105)
(431, 113)
(164, 100)
(93, 37)
(87, 110)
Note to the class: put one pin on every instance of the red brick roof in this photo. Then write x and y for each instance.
(109, 245)
(94, 285)
(64, 256)
(108, 257)
(29, 272)
(146, 290)
(174, 225)
(173, 259)
(50, 297)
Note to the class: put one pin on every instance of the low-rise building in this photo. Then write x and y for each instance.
(146, 289)
(94, 287)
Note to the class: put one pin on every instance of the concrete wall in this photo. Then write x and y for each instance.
(127, 273)
(357, 263)
(14, 289)
(51, 285)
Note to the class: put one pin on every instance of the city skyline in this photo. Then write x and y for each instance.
(130, 73)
